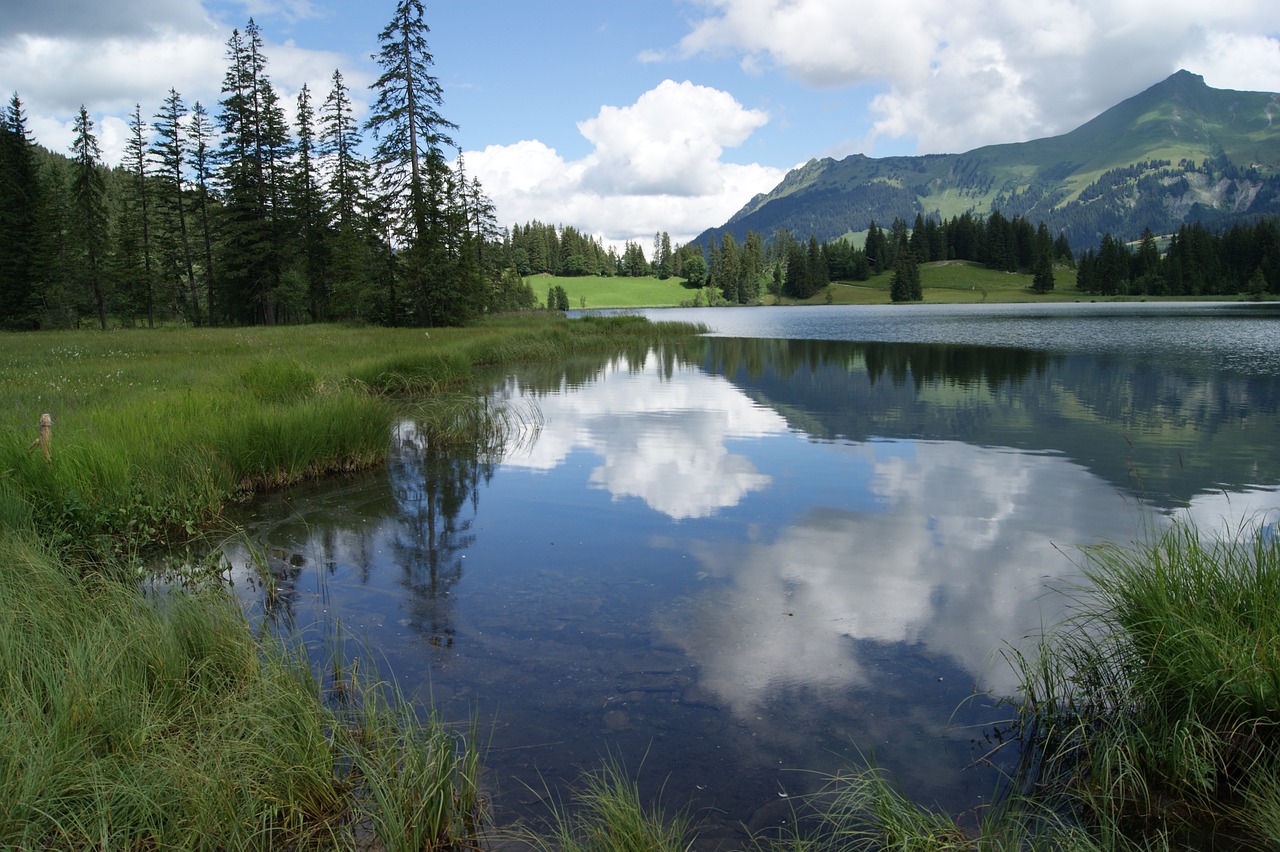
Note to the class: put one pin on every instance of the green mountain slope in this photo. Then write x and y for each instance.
(1178, 152)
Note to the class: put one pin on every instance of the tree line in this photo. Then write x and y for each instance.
(790, 267)
(247, 215)
(1244, 258)
(539, 248)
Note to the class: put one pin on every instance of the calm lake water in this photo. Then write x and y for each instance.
(794, 544)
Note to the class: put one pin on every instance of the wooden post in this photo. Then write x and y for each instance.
(45, 440)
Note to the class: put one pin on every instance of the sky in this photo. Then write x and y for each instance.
(625, 118)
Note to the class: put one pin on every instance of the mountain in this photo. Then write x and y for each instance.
(1178, 152)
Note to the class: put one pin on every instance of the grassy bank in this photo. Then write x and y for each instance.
(153, 432)
(158, 721)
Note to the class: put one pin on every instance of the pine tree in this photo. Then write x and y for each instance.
(352, 291)
(1042, 272)
(905, 286)
(309, 212)
(252, 155)
(200, 160)
(89, 211)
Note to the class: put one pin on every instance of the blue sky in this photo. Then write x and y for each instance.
(625, 118)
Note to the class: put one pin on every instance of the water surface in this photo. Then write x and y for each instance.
(797, 543)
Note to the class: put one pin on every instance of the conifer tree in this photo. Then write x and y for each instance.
(200, 161)
(416, 183)
(252, 154)
(20, 209)
(170, 149)
(89, 212)
(135, 162)
(309, 212)
(905, 286)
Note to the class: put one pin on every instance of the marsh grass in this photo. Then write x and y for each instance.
(863, 809)
(1156, 708)
(155, 431)
(129, 721)
(609, 815)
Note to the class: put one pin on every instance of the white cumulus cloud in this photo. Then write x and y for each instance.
(655, 165)
(960, 75)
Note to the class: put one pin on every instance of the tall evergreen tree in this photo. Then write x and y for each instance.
(200, 160)
(135, 162)
(20, 208)
(414, 176)
(89, 220)
(406, 119)
(170, 150)
(309, 212)
(905, 286)
(352, 291)
(253, 146)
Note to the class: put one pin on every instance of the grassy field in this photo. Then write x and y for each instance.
(595, 291)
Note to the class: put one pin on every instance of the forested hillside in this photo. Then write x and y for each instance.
(1178, 153)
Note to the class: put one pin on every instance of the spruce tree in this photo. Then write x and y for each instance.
(308, 209)
(905, 286)
(170, 149)
(200, 161)
(20, 208)
(253, 172)
(352, 291)
(89, 220)
(135, 162)
(414, 176)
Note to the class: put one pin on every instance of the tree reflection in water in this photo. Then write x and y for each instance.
(435, 485)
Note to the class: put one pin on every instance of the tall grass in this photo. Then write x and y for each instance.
(1156, 708)
(610, 816)
(864, 810)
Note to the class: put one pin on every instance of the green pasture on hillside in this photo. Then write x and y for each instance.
(958, 282)
(614, 291)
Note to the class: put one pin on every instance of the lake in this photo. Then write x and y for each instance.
(796, 544)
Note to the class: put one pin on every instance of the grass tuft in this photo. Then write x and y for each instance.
(608, 815)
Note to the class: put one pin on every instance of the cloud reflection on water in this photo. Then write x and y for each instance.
(957, 561)
(665, 442)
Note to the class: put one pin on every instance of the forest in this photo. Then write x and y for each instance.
(238, 214)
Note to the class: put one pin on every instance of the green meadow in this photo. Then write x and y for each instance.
(598, 291)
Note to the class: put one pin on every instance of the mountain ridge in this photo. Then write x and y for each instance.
(1176, 152)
